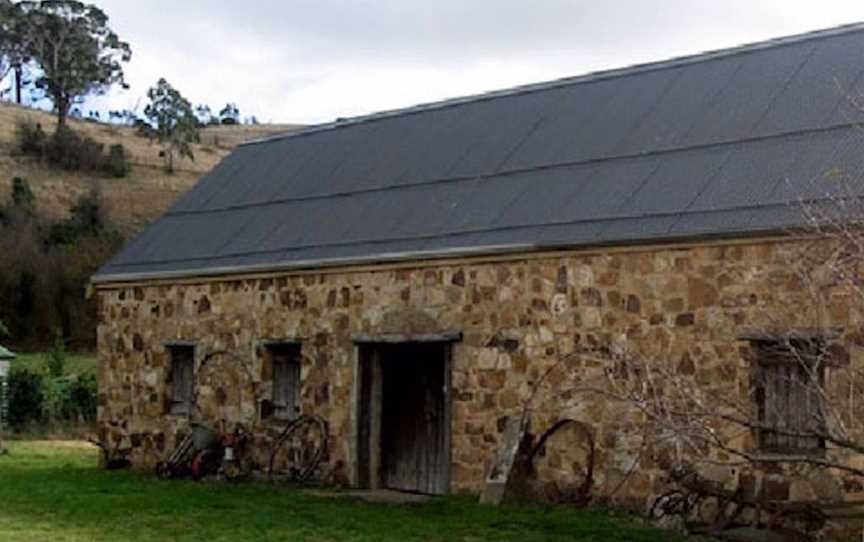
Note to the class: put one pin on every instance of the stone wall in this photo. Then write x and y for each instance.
(684, 304)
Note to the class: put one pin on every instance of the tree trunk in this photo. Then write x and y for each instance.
(63, 103)
(19, 73)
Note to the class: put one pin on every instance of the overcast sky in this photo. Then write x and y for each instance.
(314, 60)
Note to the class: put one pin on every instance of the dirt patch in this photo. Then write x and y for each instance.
(65, 444)
(377, 496)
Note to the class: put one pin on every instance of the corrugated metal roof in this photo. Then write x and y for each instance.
(716, 144)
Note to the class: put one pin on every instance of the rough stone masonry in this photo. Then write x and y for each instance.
(685, 304)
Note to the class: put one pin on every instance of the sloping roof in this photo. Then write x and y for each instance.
(6, 354)
(713, 144)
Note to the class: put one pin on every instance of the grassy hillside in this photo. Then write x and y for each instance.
(133, 201)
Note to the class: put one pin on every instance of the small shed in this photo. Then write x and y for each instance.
(409, 276)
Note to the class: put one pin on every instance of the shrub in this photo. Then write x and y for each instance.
(51, 396)
(83, 398)
(143, 129)
(117, 163)
(22, 194)
(69, 399)
(55, 399)
(56, 358)
(69, 150)
(35, 399)
(85, 220)
(31, 138)
(25, 398)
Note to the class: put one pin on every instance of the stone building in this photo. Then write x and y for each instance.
(411, 275)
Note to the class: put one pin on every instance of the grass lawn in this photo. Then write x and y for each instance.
(53, 491)
(75, 363)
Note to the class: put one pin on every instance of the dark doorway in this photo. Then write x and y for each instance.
(404, 422)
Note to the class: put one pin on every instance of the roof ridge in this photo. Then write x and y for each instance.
(611, 73)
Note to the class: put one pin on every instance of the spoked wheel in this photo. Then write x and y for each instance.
(299, 450)
(719, 513)
(206, 462)
(673, 503)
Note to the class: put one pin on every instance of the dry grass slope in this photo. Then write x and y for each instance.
(131, 202)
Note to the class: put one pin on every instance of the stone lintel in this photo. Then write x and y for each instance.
(277, 341)
(384, 338)
(169, 344)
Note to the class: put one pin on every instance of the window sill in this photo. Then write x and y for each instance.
(285, 418)
(178, 411)
(281, 418)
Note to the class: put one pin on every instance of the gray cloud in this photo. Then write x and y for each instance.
(313, 60)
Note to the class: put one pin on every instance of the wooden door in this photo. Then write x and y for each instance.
(414, 419)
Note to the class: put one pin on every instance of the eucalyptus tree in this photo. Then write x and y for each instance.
(14, 40)
(76, 52)
(173, 119)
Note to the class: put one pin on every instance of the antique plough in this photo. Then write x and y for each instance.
(738, 515)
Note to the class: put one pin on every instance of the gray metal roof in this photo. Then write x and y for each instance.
(716, 144)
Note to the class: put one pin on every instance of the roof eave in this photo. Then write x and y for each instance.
(111, 279)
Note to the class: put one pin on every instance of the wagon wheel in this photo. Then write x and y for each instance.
(673, 503)
(299, 450)
(719, 513)
(809, 519)
(205, 462)
(582, 494)
(711, 510)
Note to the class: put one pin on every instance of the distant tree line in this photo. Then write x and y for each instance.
(46, 268)
(228, 115)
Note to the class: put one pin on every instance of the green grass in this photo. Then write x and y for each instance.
(75, 363)
(55, 492)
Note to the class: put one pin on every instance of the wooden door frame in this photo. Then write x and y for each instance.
(366, 441)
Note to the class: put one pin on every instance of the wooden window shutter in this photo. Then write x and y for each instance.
(182, 379)
(286, 379)
(788, 385)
